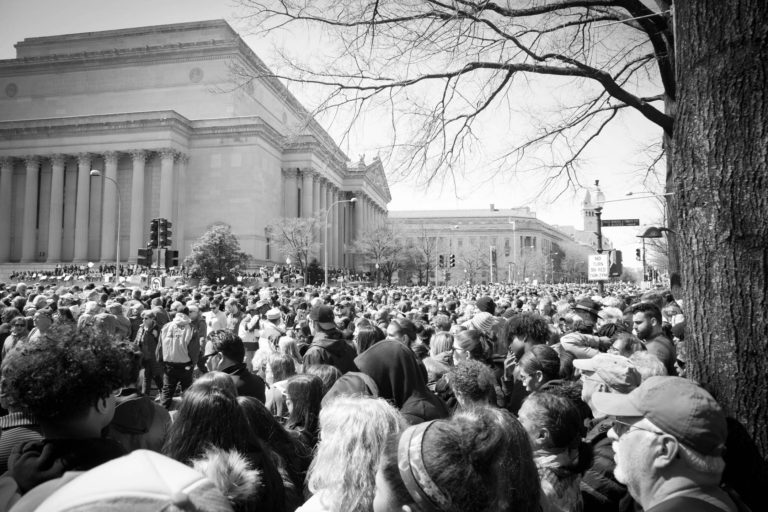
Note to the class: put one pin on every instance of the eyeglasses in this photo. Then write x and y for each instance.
(18, 325)
(622, 428)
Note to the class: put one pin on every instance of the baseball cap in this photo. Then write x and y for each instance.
(323, 315)
(617, 372)
(141, 481)
(677, 406)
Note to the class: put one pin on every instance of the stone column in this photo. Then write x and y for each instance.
(178, 233)
(138, 227)
(335, 229)
(359, 215)
(83, 207)
(29, 229)
(55, 218)
(166, 183)
(316, 194)
(308, 178)
(110, 204)
(328, 236)
(70, 209)
(322, 206)
(291, 193)
(6, 195)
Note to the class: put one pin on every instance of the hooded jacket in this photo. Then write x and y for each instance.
(328, 347)
(177, 345)
(394, 369)
(139, 423)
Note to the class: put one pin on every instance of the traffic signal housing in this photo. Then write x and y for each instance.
(452, 261)
(165, 233)
(154, 233)
(637, 255)
(145, 258)
(441, 261)
(171, 259)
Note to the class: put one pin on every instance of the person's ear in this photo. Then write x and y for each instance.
(539, 376)
(667, 450)
(101, 405)
(409, 508)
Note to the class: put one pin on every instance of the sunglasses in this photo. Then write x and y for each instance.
(622, 428)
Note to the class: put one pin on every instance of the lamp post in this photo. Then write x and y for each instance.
(552, 254)
(325, 246)
(97, 174)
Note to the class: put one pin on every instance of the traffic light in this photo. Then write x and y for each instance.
(616, 267)
(165, 233)
(637, 255)
(171, 259)
(154, 233)
(441, 261)
(452, 261)
(145, 257)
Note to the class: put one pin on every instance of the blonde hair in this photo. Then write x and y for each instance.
(353, 431)
(648, 365)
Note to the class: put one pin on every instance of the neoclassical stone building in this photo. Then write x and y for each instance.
(174, 115)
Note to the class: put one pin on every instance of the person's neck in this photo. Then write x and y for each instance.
(665, 488)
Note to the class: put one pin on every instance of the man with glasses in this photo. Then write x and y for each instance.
(669, 437)
(19, 334)
(607, 373)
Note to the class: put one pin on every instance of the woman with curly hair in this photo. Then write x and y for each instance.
(478, 461)
(210, 417)
(342, 476)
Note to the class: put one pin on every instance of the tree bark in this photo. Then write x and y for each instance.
(720, 162)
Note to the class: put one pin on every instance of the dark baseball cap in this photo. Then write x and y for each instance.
(323, 315)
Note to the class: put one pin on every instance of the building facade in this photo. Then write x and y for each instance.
(187, 124)
(500, 245)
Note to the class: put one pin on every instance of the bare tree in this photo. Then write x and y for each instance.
(382, 248)
(694, 73)
(295, 237)
(473, 259)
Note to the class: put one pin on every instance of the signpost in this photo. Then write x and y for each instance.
(599, 266)
(616, 223)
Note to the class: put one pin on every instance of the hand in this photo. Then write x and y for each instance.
(33, 463)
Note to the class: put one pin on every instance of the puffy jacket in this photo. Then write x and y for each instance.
(177, 344)
(328, 347)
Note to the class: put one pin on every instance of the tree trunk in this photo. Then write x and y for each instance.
(720, 158)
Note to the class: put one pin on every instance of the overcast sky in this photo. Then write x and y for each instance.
(613, 160)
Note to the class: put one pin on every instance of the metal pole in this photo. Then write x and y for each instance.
(599, 213)
(99, 174)
(325, 246)
(643, 255)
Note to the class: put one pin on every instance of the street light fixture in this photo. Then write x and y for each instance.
(652, 232)
(97, 174)
(325, 246)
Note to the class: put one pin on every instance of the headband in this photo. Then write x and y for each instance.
(419, 484)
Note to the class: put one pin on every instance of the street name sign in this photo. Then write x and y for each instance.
(598, 267)
(615, 223)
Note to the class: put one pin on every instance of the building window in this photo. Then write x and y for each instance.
(506, 247)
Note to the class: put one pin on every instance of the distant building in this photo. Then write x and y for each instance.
(174, 115)
(520, 245)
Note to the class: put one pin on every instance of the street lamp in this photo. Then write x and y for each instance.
(325, 246)
(552, 265)
(97, 174)
(652, 232)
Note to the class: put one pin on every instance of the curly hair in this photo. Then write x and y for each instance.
(60, 379)
(531, 326)
(353, 432)
(473, 380)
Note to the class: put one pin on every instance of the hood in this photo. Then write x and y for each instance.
(181, 319)
(133, 414)
(394, 369)
(332, 341)
(351, 384)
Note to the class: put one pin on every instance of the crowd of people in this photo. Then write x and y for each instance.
(383, 399)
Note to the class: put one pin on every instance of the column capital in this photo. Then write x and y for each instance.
(111, 157)
(58, 159)
(167, 153)
(7, 161)
(290, 172)
(138, 154)
(183, 158)
(84, 158)
(310, 173)
(31, 160)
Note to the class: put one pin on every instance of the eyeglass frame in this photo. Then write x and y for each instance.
(626, 427)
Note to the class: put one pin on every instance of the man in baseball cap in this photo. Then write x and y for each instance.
(607, 373)
(328, 345)
(669, 438)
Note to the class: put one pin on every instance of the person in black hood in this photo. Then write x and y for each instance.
(394, 369)
(328, 345)
(224, 352)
